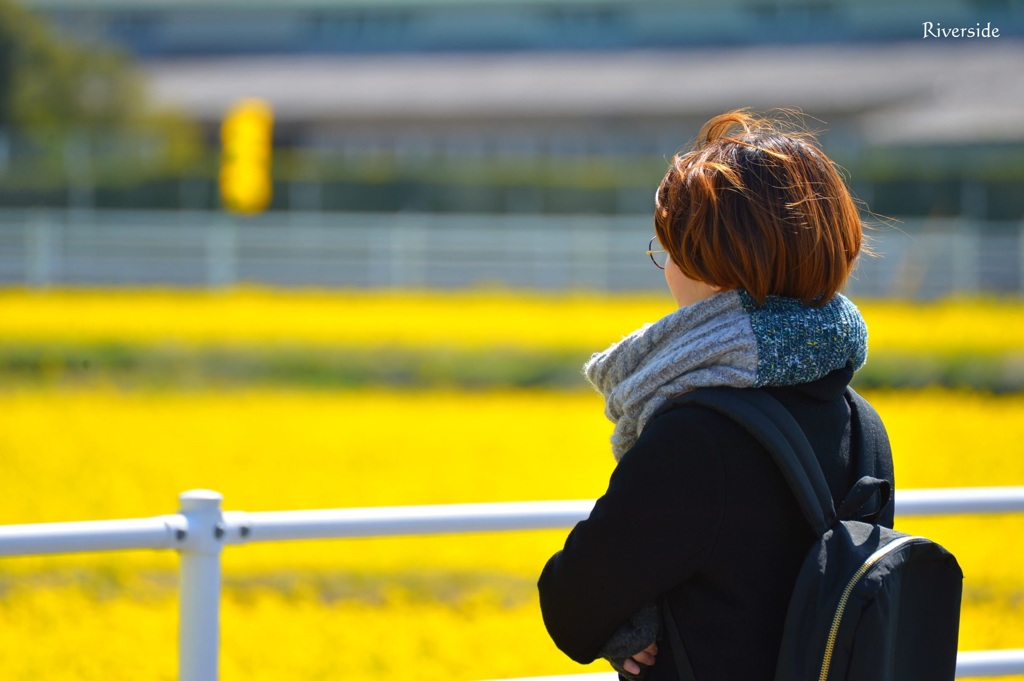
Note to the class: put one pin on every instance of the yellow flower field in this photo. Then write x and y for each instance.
(460, 319)
(455, 607)
(460, 607)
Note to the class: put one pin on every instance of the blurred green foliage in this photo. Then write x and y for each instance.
(177, 367)
(66, 105)
(49, 85)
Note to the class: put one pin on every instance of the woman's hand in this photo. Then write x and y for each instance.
(635, 633)
(645, 657)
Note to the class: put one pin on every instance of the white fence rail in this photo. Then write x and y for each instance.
(201, 529)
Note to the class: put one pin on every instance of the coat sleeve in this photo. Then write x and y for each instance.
(871, 450)
(653, 527)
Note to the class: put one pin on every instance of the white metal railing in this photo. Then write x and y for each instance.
(200, 530)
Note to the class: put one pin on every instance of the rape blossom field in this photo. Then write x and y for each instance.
(254, 316)
(454, 607)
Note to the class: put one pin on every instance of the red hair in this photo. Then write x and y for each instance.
(755, 207)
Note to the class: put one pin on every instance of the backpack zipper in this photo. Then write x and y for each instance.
(841, 606)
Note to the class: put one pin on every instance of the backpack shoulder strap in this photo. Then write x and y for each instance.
(771, 424)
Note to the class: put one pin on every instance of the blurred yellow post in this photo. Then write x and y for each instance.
(245, 174)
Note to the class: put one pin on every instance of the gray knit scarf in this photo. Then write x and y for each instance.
(724, 340)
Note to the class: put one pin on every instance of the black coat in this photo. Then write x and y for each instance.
(697, 509)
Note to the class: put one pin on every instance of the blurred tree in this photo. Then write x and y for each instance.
(58, 93)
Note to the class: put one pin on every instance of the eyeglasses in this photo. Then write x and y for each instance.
(659, 256)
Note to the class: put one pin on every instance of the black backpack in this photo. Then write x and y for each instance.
(869, 603)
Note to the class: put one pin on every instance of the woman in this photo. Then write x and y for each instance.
(759, 233)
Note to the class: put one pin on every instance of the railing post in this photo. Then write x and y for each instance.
(221, 252)
(199, 601)
(40, 251)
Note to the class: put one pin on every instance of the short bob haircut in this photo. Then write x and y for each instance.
(755, 207)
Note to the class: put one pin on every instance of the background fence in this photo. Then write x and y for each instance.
(921, 259)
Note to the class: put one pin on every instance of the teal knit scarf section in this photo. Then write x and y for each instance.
(797, 343)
